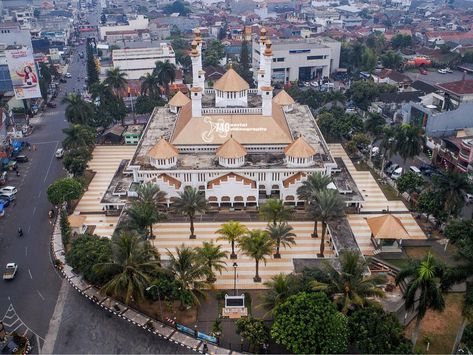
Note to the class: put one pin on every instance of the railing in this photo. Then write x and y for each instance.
(209, 91)
(466, 145)
(252, 91)
(232, 110)
(464, 156)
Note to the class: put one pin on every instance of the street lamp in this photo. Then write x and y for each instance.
(148, 289)
(235, 265)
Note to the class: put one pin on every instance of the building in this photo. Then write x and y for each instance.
(300, 59)
(455, 152)
(136, 62)
(132, 134)
(460, 91)
(136, 23)
(237, 145)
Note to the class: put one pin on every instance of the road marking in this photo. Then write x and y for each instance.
(50, 162)
(26, 248)
(29, 228)
(55, 322)
(40, 295)
(49, 142)
(39, 195)
(29, 272)
(34, 210)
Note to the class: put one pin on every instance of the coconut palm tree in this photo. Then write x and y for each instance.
(116, 79)
(387, 145)
(77, 110)
(231, 232)
(349, 283)
(78, 136)
(212, 255)
(100, 90)
(150, 85)
(409, 141)
(279, 288)
(329, 207)
(190, 202)
(189, 271)
(273, 210)
(166, 74)
(423, 291)
(133, 263)
(315, 182)
(143, 215)
(282, 235)
(150, 193)
(257, 244)
(453, 187)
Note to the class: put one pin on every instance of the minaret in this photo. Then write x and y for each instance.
(200, 71)
(267, 63)
(262, 40)
(195, 64)
(196, 96)
(267, 99)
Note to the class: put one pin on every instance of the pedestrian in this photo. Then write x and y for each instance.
(34, 147)
(205, 349)
(17, 173)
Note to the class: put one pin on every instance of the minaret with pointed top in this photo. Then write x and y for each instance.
(267, 62)
(261, 73)
(199, 78)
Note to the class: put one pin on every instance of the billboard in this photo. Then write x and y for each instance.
(23, 73)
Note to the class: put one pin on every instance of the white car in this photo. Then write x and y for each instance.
(68, 75)
(8, 190)
(442, 71)
(59, 153)
(468, 198)
(396, 174)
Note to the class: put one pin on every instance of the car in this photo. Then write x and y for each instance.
(68, 75)
(51, 104)
(21, 158)
(442, 71)
(468, 198)
(59, 153)
(4, 202)
(8, 190)
(414, 169)
(387, 165)
(391, 169)
(449, 70)
(423, 72)
(396, 174)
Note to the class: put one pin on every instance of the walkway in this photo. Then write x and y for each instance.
(170, 235)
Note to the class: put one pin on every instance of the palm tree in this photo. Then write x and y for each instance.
(166, 73)
(329, 207)
(100, 90)
(190, 202)
(150, 193)
(212, 256)
(144, 215)
(116, 79)
(257, 244)
(452, 186)
(273, 210)
(231, 232)
(409, 141)
(282, 235)
(78, 136)
(348, 283)
(423, 288)
(189, 271)
(150, 85)
(374, 125)
(315, 182)
(133, 263)
(78, 111)
(280, 287)
(387, 144)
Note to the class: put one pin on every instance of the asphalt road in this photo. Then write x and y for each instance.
(29, 304)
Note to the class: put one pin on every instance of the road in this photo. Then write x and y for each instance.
(30, 304)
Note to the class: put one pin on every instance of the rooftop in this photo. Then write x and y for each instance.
(116, 192)
(460, 87)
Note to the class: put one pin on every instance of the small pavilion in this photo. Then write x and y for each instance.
(387, 232)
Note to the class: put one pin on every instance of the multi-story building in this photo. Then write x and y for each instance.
(455, 153)
(301, 58)
(136, 23)
(136, 62)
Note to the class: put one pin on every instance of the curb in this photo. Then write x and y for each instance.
(119, 309)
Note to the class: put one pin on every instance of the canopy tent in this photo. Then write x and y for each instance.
(387, 227)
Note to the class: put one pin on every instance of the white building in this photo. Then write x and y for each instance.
(135, 24)
(300, 59)
(237, 145)
(136, 62)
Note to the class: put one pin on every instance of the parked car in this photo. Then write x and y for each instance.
(396, 174)
(10, 271)
(59, 153)
(21, 158)
(391, 169)
(51, 104)
(442, 71)
(4, 201)
(68, 75)
(8, 190)
(468, 198)
(449, 70)
(414, 169)
(387, 165)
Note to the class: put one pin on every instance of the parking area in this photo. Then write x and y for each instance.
(434, 77)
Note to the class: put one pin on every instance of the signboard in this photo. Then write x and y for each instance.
(184, 329)
(206, 337)
(235, 301)
(23, 73)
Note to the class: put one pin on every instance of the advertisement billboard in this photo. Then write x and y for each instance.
(23, 73)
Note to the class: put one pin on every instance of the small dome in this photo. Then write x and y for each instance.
(163, 150)
(231, 81)
(299, 149)
(231, 149)
(283, 98)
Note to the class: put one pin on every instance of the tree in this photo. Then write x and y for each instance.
(409, 141)
(423, 291)
(85, 252)
(133, 263)
(64, 190)
(75, 160)
(452, 186)
(374, 126)
(459, 230)
(467, 316)
(282, 235)
(166, 74)
(190, 202)
(373, 331)
(189, 271)
(77, 110)
(78, 136)
(329, 207)
(368, 59)
(178, 6)
(146, 104)
(257, 244)
(231, 232)
(64, 226)
(363, 92)
(243, 68)
(212, 256)
(309, 323)
(254, 331)
(274, 210)
(429, 203)
(348, 283)
(410, 182)
(337, 125)
(143, 215)
(391, 60)
(315, 182)
(116, 79)
(400, 41)
(279, 288)
(214, 53)
(150, 85)
(92, 71)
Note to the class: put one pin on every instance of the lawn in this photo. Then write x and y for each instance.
(439, 329)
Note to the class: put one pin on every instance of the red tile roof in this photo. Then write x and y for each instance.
(461, 87)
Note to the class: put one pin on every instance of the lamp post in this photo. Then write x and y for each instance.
(148, 289)
(235, 265)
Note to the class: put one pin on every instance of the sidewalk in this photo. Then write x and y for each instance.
(121, 310)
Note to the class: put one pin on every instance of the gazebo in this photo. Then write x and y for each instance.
(387, 232)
